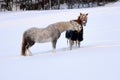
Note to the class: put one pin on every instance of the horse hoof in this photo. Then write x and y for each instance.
(54, 51)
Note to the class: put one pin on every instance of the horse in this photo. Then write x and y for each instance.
(73, 35)
(49, 34)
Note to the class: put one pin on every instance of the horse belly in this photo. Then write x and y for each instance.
(43, 40)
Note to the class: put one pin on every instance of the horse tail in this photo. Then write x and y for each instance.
(23, 50)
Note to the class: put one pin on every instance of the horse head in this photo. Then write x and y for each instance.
(83, 18)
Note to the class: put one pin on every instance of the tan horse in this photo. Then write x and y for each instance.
(77, 36)
(49, 34)
(84, 18)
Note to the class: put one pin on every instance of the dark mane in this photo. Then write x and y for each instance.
(79, 21)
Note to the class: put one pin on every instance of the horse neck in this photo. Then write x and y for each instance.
(62, 26)
(79, 21)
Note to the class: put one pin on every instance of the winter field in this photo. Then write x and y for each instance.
(97, 59)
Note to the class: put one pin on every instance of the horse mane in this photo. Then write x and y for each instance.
(79, 21)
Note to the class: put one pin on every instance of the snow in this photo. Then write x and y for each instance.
(97, 59)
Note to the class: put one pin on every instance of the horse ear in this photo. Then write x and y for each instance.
(86, 14)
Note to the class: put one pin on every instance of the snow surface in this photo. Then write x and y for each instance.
(97, 59)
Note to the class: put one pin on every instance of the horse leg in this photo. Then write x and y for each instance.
(71, 42)
(54, 45)
(79, 44)
(30, 43)
(76, 43)
(30, 53)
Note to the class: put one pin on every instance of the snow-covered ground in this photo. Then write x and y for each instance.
(97, 59)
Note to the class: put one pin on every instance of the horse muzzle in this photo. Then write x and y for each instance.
(84, 23)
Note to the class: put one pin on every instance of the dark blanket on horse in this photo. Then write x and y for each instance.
(74, 35)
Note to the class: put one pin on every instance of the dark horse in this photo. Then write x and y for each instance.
(73, 35)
